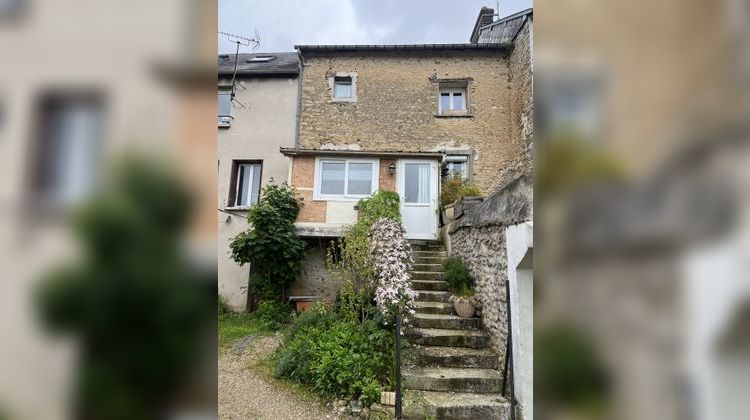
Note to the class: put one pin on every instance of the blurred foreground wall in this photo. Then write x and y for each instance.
(84, 83)
(641, 200)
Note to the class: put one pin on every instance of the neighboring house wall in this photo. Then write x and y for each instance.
(396, 105)
(264, 112)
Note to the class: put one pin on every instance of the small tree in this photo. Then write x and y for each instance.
(455, 187)
(271, 244)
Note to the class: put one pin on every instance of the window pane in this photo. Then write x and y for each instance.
(225, 105)
(255, 191)
(332, 178)
(343, 88)
(360, 179)
(244, 180)
(417, 183)
(458, 101)
(445, 101)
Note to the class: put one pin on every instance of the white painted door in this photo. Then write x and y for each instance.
(418, 188)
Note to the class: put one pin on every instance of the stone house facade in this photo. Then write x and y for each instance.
(399, 117)
(256, 115)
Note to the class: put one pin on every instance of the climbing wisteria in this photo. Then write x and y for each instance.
(392, 261)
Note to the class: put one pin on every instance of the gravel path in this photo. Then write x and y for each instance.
(247, 392)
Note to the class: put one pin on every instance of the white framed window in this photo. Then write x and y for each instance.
(345, 179)
(451, 99)
(224, 108)
(456, 166)
(245, 187)
(342, 87)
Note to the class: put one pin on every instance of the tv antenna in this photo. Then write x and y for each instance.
(244, 41)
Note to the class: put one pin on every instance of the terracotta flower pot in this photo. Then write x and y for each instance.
(464, 308)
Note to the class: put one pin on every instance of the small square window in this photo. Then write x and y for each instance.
(455, 166)
(452, 100)
(342, 87)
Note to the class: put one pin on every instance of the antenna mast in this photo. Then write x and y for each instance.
(240, 40)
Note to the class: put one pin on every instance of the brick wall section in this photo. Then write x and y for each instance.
(386, 181)
(303, 174)
(397, 99)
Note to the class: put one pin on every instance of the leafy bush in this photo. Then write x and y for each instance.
(350, 260)
(271, 244)
(273, 315)
(456, 187)
(392, 261)
(222, 306)
(458, 277)
(344, 359)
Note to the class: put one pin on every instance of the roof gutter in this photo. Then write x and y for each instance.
(286, 151)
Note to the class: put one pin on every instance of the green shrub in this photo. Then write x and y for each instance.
(271, 244)
(458, 277)
(456, 187)
(273, 315)
(222, 306)
(339, 358)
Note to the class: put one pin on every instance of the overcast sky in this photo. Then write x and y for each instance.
(282, 24)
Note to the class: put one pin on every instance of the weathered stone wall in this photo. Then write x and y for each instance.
(520, 73)
(314, 280)
(479, 240)
(397, 103)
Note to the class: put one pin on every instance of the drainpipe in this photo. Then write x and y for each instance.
(299, 101)
(398, 365)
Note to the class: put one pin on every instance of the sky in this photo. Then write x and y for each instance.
(282, 24)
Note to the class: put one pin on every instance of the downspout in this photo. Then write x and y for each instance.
(299, 99)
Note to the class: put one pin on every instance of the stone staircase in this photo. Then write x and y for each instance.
(449, 371)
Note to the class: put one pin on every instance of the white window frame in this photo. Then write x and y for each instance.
(341, 80)
(317, 195)
(459, 159)
(252, 182)
(452, 91)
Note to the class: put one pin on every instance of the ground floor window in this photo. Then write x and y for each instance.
(345, 178)
(456, 166)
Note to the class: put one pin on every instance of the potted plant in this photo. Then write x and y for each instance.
(465, 303)
(461, 283)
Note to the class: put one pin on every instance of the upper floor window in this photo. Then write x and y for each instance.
(452, 99)
(225, 108)
(245, 186)
(342, 87)
(346, 178)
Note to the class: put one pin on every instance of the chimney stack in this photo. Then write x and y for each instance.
(486, 16)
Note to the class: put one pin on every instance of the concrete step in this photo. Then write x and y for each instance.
(428, 247)
(448, 338)
(433, 296)
(429, 285)
(429, 254)
(450, 405)
(446, 322)
(428, 260)
(456, 357)
(452, 380)
(433, 268)
(434, 308)
(426, 275)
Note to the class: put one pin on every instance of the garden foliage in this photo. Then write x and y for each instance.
(338, 357)
(271, 244)
(457, 275)
(455, 187)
